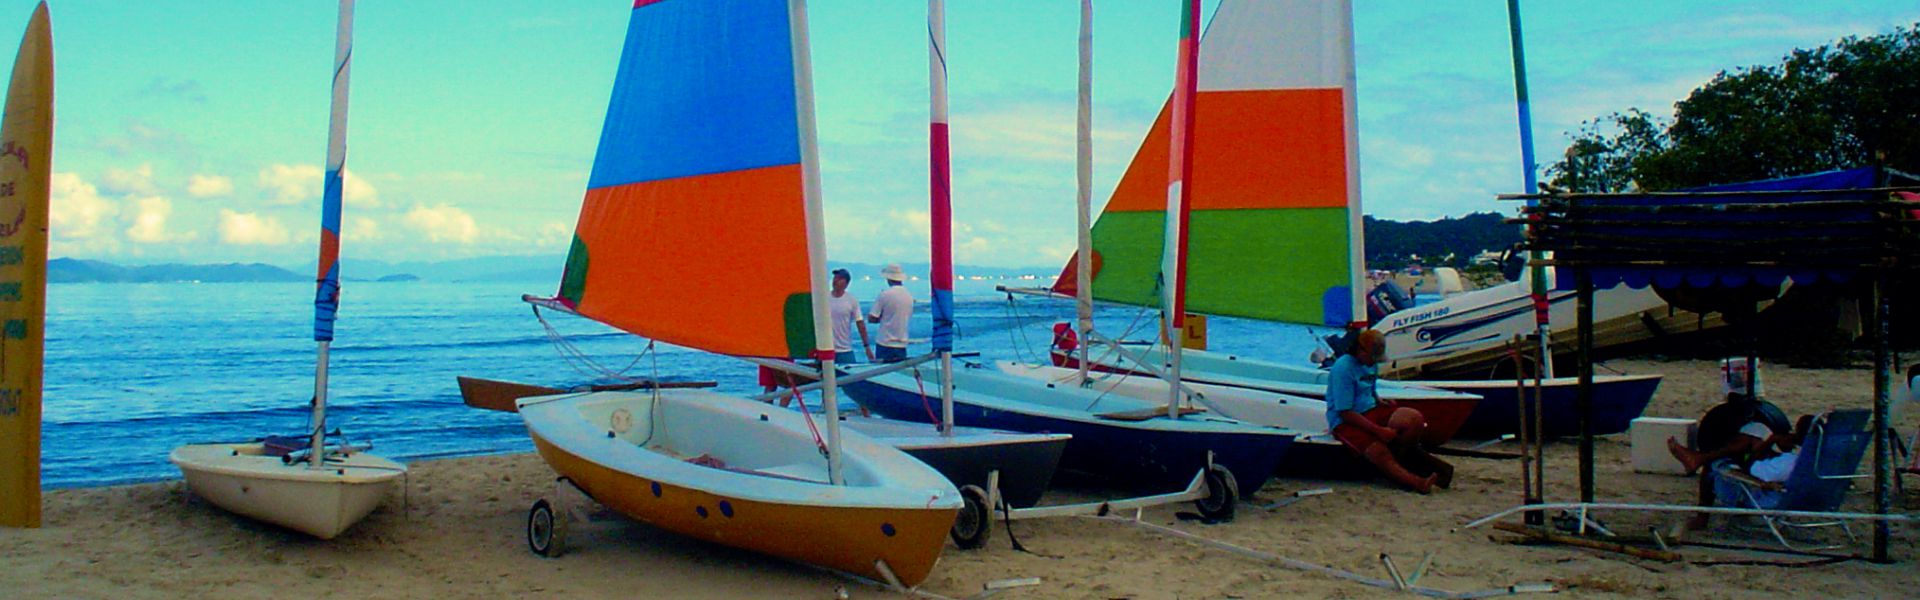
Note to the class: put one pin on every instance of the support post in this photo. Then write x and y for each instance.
(1882, 449)
(1584, 402)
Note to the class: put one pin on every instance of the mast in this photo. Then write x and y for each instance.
(1083, 200)
(1539, 273)
(816, 232)
(1173, 260)
(940, 207)
(326, 299)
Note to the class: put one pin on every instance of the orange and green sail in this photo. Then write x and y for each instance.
(701, 224)
(1274, 222)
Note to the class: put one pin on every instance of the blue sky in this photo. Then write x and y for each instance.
(195, 131)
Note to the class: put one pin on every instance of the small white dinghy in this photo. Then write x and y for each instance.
(248, 479)
(278, 480)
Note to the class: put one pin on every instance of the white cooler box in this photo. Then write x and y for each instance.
(1648, 436)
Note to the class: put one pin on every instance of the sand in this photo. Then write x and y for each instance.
(457, 532)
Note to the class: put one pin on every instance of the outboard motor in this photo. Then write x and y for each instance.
(1385, 299)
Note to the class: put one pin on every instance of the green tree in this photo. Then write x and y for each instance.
(1833, 107)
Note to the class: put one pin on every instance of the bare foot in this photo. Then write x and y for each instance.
(1688, 459)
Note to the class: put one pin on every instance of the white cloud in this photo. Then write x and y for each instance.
(150, 220)
(361, 229)
(293, 184)
(554, 234)
(443, 223)
(209, 186)
(78, 211)
(138, 180)
(251, 229)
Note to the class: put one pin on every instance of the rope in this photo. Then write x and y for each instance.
(924, 403)
(1017, 335)
(794, 393)
(582, 362)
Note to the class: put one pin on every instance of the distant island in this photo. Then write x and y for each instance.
(398, 277)
(74, 270)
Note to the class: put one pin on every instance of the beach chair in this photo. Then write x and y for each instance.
(1828, 463)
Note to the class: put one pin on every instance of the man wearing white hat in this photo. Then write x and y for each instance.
(892, 310)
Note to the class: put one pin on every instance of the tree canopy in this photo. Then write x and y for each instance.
(1852, 103)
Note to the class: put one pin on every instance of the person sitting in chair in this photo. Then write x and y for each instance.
(1773, 463)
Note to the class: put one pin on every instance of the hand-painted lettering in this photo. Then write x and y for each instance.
(12, 255)
(15, 329)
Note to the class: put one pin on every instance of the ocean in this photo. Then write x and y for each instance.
(134, 370)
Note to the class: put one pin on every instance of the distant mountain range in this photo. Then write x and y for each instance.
(492, 268)
(1390, 244)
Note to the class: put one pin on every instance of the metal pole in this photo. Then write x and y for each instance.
(830, 400)
(940, 207)
(316, 448)
(1584, 402)
(1173, 259)
(1083, 196)
(1882, 449)
(1541, 304)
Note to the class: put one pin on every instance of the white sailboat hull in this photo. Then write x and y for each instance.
(322, 503)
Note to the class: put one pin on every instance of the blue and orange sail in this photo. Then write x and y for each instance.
(1273, 230)
(701, 223)
(326, 297)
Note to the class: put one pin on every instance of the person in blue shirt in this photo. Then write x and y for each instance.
(1386, 434)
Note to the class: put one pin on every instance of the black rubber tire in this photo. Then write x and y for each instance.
(546, 530)
(974, 525)
(1223, 495)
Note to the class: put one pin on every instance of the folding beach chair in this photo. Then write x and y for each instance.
(1827, 465)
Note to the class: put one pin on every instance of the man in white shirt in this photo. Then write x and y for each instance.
(892, 310)
(846, 315)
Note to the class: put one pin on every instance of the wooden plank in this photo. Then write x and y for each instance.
(1559, 538)
(489, 394)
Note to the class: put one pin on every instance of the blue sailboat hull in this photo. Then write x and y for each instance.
(1617, 401)
(1157, 454)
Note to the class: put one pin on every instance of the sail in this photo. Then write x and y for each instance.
(1274, 231)
(940, 179)
(26, 153)
(326, 297)
(701, 223)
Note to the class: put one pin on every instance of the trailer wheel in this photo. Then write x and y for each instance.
(546, 530)
(975, 523)
(1223, 495)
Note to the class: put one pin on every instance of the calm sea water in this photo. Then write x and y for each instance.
(133, 370)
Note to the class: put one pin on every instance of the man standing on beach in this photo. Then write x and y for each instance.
(1385, 434)
(892, 310)
(846, 314)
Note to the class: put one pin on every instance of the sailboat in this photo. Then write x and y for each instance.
(702, 227)
(1250, 284)
(1270, 233)
(1141, 444)
(302, 483)
(1014, 467)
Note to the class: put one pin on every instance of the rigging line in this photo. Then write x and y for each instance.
(924, 403)
(1019, 322)
(582, 362)
(801, 399)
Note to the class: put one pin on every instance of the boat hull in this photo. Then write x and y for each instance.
(902, 521)
(1152, 455)
(1026, 461)
(1446, 411)
(1617, 401)
(243, 479)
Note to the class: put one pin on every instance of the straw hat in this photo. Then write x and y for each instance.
(893, 273)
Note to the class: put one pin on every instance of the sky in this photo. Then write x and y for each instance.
(195, 131)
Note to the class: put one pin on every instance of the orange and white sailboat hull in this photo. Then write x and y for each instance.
(748, 475)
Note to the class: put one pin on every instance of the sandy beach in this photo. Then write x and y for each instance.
(457, 532)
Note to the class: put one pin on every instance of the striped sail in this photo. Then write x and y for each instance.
(701, 225)
(1274, 229)
(326, 297)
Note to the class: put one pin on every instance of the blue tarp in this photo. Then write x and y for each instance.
(1708, 220)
